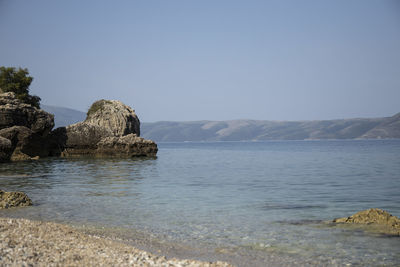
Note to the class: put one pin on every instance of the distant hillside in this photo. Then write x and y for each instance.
(239, 130)
(64, 116)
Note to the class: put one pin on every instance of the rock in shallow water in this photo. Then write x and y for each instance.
(14, 199)
(387, 223)
(111, 129)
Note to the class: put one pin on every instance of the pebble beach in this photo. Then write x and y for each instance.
(34, 243)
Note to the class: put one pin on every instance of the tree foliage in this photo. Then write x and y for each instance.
(18, 81)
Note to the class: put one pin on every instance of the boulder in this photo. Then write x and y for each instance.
(15, 113)
(14, 199)
(115, 116)
(6, 149)
(111, 129)
(381, 220)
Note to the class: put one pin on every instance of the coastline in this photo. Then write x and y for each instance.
(26, 242)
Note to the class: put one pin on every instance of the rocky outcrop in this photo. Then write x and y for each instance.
(380, 220)
(115, 116)
(14, 199)
(15, 113)
(111, 129)
(26, 127)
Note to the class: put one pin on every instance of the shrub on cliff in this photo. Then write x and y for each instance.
(18, 81)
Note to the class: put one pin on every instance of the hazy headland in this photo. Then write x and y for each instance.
(254, 130)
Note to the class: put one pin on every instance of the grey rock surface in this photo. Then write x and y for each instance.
(115, 116)
(85, 135)
(129, 146)
(111, 129)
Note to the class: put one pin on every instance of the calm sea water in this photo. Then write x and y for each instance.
(253, 203)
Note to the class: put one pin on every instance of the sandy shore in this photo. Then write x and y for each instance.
(25, 242)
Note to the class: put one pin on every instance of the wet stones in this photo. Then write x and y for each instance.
(14, 199)
(379, 220)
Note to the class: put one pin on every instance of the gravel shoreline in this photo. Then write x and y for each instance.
(25, 242)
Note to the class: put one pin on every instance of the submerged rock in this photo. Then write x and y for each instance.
(381, 220)
(14, 199)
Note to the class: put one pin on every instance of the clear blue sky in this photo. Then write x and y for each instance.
(214, 60)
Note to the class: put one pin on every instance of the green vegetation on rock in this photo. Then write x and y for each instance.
(18, 82)
(98, 105)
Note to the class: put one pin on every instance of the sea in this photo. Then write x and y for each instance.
(249, 203)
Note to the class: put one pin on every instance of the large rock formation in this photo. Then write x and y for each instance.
(380, 221)
(110, 129)
(14, 199)
(115, 116)
(26, 127)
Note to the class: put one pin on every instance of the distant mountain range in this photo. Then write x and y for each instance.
(64, 116)
(241, 130)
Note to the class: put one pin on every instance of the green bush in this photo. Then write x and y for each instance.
(18, 81)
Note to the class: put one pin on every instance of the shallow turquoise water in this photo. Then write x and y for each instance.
(253, 199)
